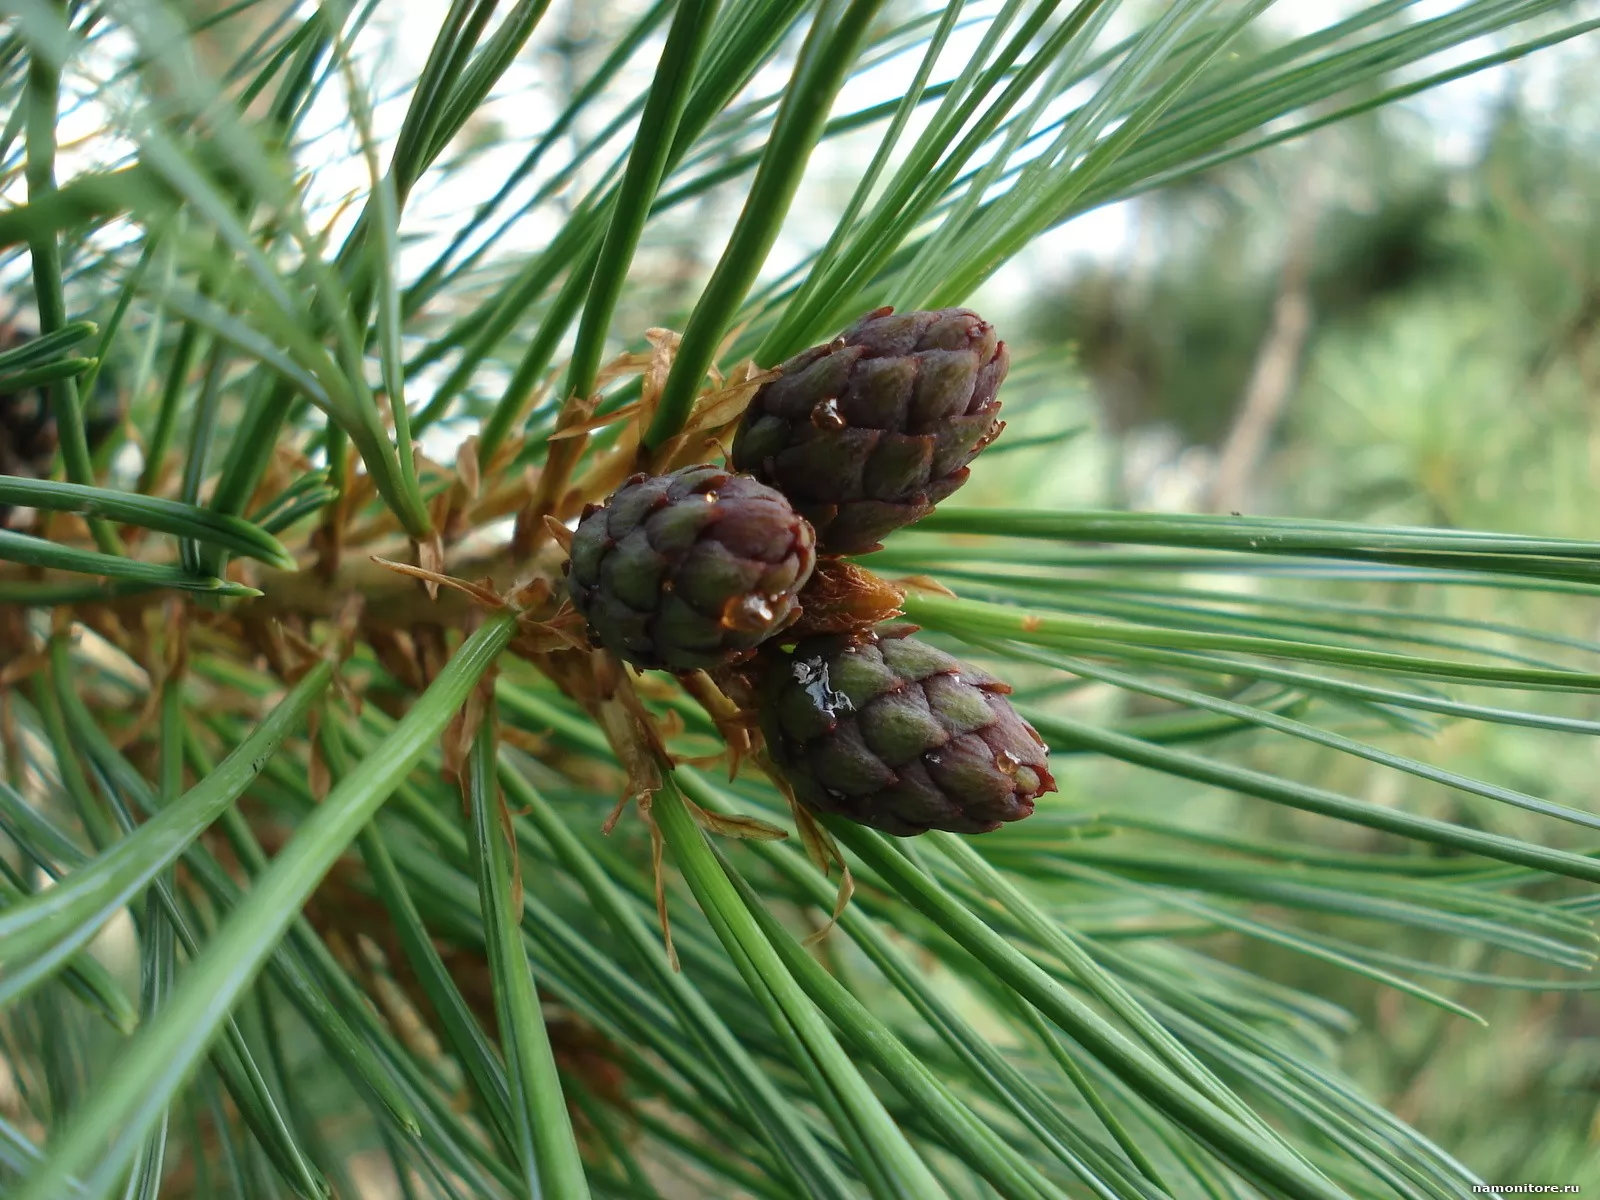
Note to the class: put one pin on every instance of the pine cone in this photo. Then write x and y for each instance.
(891, 732)
(689, 570)
(867, 433)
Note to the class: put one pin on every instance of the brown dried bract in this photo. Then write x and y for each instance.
(599, 683)
(715, 414)
(459, 735)
(564, 631)
(483, 593)
(844, 598)
(733, 722)
(563, 455)
(558, 532)
(924, 583)
(734, 825)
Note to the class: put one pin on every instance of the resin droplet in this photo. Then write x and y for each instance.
(826, 415)
(748, 614)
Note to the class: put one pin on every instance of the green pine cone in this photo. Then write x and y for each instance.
(891, 732)
(869, 432)
(689, 570)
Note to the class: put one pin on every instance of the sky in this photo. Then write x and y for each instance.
(1454, 116)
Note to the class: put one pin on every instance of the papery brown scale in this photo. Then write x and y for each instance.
(842, 597)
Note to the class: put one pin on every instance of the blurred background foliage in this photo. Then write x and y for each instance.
(1448, 375)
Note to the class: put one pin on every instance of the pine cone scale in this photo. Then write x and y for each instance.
(946, 378)
(902, 463)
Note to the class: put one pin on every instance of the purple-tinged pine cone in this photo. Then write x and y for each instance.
(867, 433)
(891, 732)
(689, 570)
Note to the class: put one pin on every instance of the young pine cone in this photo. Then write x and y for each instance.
(870, 431)
(689, 570)
(888, 731)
